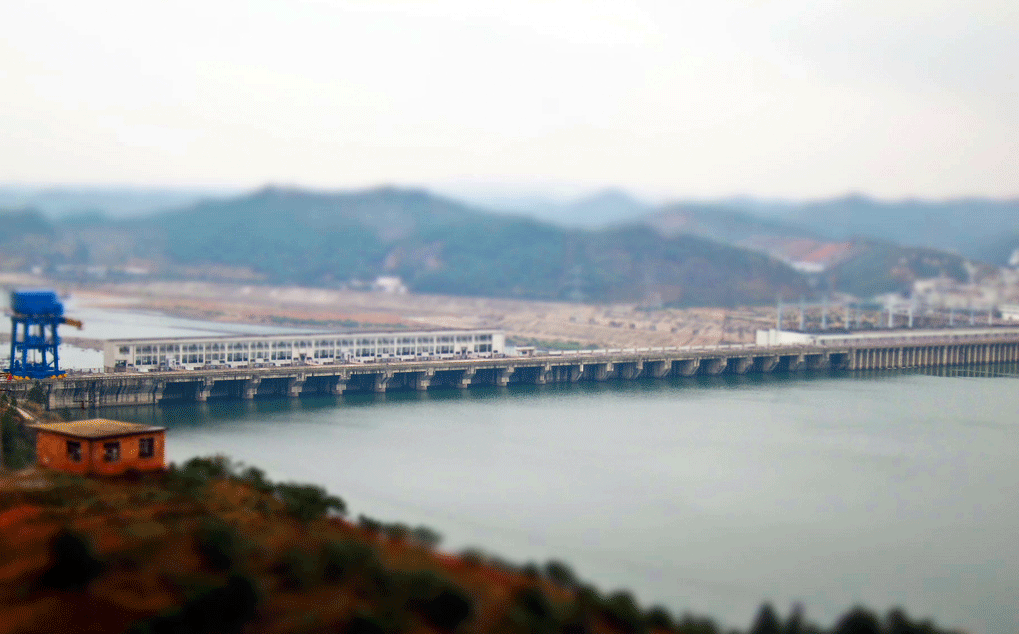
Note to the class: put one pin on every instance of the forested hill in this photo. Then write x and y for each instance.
(437, 245)
(982, 229)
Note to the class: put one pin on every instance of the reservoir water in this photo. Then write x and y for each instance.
(705, 494)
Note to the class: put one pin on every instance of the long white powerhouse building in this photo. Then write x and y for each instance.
(232, 351)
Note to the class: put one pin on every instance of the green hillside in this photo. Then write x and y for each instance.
(439, 246)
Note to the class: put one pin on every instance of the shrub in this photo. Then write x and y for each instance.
(449, 609)
(73, 563)
(582, 611)
(307, 502)
(859, 620)
(426, 537)
(370, 524)
(767, 621)
(396, 531)
(197, 472)
(690, 624)
(211, 468)
(298, 569)
(558, 572)
(531, 606)
(340, 559)
(256, 478)
(364, 623)
(223, 609)
(899, 623)
(622, 612)
(64, 490)
(37, 394)
(16, 445)
(218, 544)
(472, 557)
(337, 561)
(659, 618)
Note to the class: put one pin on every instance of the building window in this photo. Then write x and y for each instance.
(74, 451)
(111, 451)
(146, 447)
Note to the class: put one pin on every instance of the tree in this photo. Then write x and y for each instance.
(767, 621)
(37, 394)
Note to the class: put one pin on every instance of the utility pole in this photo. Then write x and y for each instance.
(824, 313)
(778, 320)
(802, 311)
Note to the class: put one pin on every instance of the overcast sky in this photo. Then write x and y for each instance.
(788, 98)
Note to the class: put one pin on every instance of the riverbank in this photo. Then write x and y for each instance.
(558, 324)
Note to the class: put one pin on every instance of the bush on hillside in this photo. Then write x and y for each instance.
(219, 610)
(298, 569)
(37, 394)
(73, 562)
(659, 618)
(622, 612)
(256, 478)
(218, 544)
(308, 502)
(426, 537)
(440, 603)
(532, 611)
(560, 573)
(18, 451)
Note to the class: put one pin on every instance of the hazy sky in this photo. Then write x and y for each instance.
(786, 98)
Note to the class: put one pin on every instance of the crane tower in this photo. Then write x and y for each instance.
(35, 317)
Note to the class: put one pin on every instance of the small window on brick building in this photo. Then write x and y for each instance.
(111, 451)
(74, 451)
(146, 447)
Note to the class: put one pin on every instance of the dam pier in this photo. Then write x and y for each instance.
(776, 351)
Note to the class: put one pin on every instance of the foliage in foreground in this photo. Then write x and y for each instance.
(262, 554)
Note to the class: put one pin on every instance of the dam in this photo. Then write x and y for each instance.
(775, 351)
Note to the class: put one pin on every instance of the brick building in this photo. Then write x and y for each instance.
(100, 447)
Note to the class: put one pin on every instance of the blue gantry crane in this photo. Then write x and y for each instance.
(35, 317)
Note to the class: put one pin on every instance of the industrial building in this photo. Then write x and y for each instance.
(245, 351)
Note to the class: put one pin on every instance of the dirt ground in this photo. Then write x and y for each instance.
(552, 324)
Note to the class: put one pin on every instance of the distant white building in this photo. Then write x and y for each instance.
(390, 284)
(1009, 312)
(244, 351)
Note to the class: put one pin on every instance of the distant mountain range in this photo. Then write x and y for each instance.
(608, 247)
(981, 229)
(59, 201)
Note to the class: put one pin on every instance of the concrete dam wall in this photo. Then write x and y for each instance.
(142, 388)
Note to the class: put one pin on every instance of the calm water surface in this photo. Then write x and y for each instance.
(705, 494)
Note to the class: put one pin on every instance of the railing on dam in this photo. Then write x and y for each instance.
(132, 388)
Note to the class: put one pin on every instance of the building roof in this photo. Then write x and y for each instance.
(349, 332)
(97, 428)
